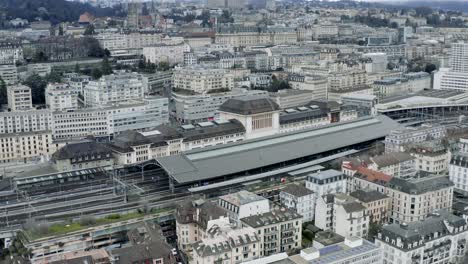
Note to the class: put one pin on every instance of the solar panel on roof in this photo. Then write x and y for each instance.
(329, 249)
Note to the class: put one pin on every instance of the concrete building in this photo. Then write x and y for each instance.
(364, 104)
(290, 98)
(9, 74)
(172, 53)
(227, 245)
(110, 120)
(399, 139)
(25, 121)
(456, 77)
(157, 83)
(430, 156)
(192, 108)
(61, 97)
(82, 155)
(409, 83)
(379, 62)
(113, 88)
(414, 199)
(19, 98)
(377, 204)
(10, 53)
(440, 238)
(279, 230)
(202, 80)
(260, 116)
(25, 147)
(114, 41)
(458, 167)
(326, 182)
(299, 199)
(352, 250)
(243, 204)
(395, 164)
(317, 84)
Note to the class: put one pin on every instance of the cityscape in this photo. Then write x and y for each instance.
(233, 132)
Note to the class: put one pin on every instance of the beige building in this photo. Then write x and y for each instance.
(413, 199)
(431, 156)
(377, 204)
(203, 80)
(172, 53)
(279, 230)
(82, 155)
(19, 98)
(26, 146)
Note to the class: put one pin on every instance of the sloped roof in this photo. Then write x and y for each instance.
(249, 105)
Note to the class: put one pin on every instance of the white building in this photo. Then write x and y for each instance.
(395, 164)
(409, 83)
(414, 199)
(259, 115)
(243, 204)
(326, 182)
(61, 97)
(114, 41)
(458, 168)
(317, 84)
(9, 74)
(111, 120)
(19, 98)
(230, 245)
(350, 217)
(113, 88)
(352, 250)
(279, 230)
(431, 156)
(300, 199)
(170, 53)
(457, 76)
(379, 61)
(440, 238)
(399, 139)
(202, 80)
(10, 53)
(25, 121)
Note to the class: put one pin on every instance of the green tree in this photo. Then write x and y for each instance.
(54, 77)
(163, 66)
(60, 31)
(3, 92)
(430, 68)
(106, 67)
(77, 68)
(37, 85)
(89, 30)
(96, 73)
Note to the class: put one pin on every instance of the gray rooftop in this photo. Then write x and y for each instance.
(391, 159)
(229, 159)
(270, 218)
(249, 105)
(327, 174)
(420, 185)
(241, 198)
(297, 190)
(367, 196)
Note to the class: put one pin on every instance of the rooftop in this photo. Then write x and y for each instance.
(271, 218)
(241, 198)
(297, 190)
(427, 183)
(249, 105)
(367, 196)
(241, 156)
(393, 158)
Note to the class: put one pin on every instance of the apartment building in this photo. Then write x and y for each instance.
(114, 41)
(360, 177)
(10, 53)
(25, 121)
(326, 182)
(458, 167)
(400, 138)
(414, 199)
(9, 74)
(61, 97)
(409, 83)
(280, 230)
(85, 154)
(25, 147)
(113, 88)
(19, 98)
(456, 76)
(299, 199)
(227, 245)
(315, 83)
(439, 238)
(395, 164)
(430, 156)
(243, 204)
(172, 53)
(352, 250)
(202, 80)
(377, 204)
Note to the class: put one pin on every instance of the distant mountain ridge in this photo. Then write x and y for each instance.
(461, 5)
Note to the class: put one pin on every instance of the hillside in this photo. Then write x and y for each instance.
(54, 10)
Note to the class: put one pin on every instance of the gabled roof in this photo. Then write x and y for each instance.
(88, 148)
(372, 176)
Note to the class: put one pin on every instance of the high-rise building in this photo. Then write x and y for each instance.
(19, 98)
(455, 77)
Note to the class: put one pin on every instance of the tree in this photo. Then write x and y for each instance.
(54, 77)
(37, 85)
(77, 68)
(423, 11)
(60, 31)
(96, 73)
(163, 66)
(89, 30)
(430, 68)
(3, 92)
(106, 67)
(93, 47)
(394, 25)
(39, 56)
